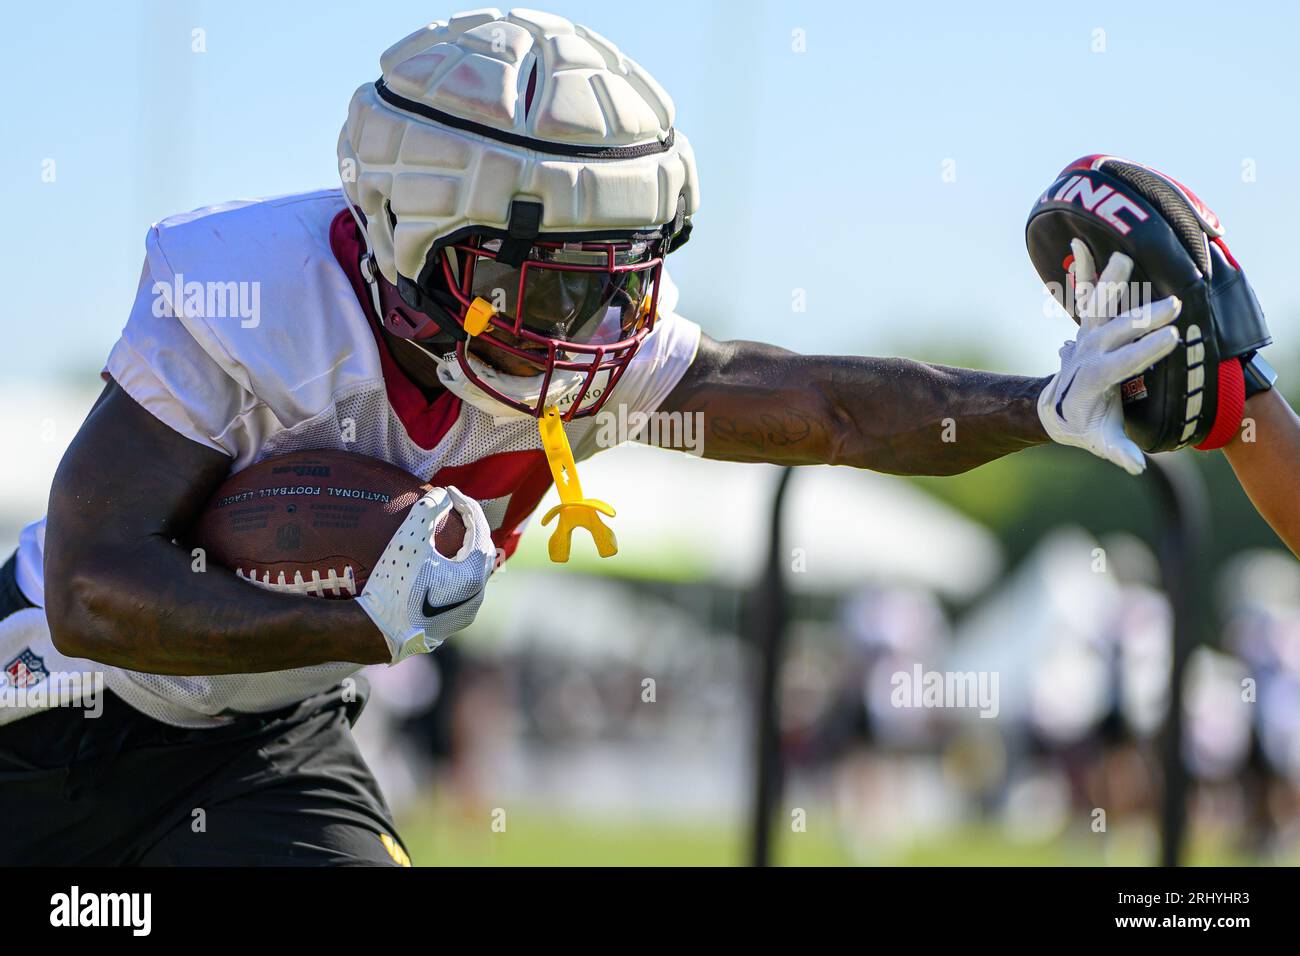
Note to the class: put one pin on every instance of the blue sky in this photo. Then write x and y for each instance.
(821, 170)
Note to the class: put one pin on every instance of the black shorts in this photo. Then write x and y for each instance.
(284, 788)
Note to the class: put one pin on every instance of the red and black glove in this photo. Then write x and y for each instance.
(1194, 396)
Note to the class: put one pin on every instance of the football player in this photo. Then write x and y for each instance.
(487, 283)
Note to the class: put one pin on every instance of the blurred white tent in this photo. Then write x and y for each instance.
(1051, 631)
(685, 518)
(1042, 628)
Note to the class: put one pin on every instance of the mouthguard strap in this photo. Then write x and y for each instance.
(574, 510)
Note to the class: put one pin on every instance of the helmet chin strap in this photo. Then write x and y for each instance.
(523, 389)
(427, 360)
(369, 265)
(369, 268)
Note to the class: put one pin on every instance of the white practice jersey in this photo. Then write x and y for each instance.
(251, 334)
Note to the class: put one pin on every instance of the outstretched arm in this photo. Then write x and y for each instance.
(762, 403)
(1268, 465)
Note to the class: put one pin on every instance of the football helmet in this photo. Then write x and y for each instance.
(519, 181)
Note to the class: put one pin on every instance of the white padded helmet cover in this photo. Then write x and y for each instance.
(438, 179)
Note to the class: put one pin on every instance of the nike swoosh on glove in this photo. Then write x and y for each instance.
(418, 597)
(1081, 404)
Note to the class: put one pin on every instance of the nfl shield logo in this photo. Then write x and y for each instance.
(26, 669)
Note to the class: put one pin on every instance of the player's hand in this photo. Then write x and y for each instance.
(1081, 404)
(418, 597)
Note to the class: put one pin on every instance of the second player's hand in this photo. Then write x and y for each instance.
(1081, 404)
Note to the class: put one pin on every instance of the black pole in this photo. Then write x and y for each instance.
(769, 613)
(1180, 493)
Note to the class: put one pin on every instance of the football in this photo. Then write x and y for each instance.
(312, 522)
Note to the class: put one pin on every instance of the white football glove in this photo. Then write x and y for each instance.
(1081, 404)
(418, 597)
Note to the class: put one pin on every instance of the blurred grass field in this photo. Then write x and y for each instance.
(535, 837)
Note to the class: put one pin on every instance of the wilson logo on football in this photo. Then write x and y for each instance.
(1102, 200)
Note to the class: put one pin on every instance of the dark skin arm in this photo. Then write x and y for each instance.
(762, 403)
(118, 591)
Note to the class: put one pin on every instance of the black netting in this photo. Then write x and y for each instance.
(1169, 203)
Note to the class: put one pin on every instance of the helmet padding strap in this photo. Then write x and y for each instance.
(525, 226)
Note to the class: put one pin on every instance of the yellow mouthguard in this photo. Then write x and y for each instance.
(574, 510)
(478, 315)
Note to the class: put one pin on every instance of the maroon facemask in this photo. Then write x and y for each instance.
(570, 311)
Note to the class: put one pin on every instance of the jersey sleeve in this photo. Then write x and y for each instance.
(659, 364)
(159, 363)
(663, 358)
